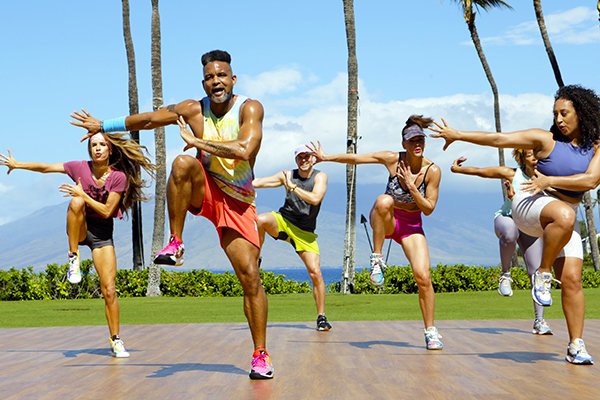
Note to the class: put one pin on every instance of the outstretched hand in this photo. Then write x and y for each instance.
(187, 136)
(317, 151)
(9, 161)
(457, 163)
(86, 121)
(445, 132)
(537, 183)
(72, 190)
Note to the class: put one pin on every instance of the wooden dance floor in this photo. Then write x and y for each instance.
(495, 359)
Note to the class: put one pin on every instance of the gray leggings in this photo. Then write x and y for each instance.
(531, 250)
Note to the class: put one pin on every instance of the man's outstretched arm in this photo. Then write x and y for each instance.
(167, 115)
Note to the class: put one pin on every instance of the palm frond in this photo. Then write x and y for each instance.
(489, 4)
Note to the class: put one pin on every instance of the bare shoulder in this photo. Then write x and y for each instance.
(188, 108)
(388, 157)
(433, 170)
(321, 176)
(252, 108)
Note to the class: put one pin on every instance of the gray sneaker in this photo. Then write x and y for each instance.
(541, 327)
(504, 287)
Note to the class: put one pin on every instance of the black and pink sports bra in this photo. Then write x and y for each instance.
(398, 193)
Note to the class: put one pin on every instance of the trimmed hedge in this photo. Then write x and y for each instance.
(53, 284)
(455, 278)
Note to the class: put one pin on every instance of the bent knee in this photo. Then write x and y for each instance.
(77, 204)
(183, 165)
(384, 202)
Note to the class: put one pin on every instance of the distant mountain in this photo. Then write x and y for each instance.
(459, 231)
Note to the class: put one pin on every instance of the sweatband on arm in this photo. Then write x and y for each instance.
(114, 125)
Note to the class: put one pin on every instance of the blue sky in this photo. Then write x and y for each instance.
(413, 57)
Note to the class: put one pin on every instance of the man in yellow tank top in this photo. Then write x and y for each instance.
(217, 183)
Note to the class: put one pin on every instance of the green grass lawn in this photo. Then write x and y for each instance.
(282, 308)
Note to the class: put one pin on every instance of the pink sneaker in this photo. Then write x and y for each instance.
(262, 368)
(172, 254)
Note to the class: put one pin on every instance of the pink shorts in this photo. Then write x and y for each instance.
(407, 223)
(226, 212)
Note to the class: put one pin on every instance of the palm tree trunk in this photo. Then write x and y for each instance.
(537, 4)
(136, 212)
(490, 78)
(350, 237)
(158, 236)
(591, 229)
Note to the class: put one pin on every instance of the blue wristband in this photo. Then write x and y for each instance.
(114, 125)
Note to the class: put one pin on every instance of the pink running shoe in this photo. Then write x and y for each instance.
(172, 254)
(262, 368)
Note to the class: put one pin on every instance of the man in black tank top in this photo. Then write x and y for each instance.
(296, 220)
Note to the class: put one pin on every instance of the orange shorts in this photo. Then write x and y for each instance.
(226, 212)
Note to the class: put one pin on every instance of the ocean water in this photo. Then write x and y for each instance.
(330, 275)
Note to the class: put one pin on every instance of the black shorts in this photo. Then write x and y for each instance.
(99, 233)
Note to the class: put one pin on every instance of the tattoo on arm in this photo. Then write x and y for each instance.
(170, 107)
(219, 150)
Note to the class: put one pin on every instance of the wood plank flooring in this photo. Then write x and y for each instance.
(491, 359)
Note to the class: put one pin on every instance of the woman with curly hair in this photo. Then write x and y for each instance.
(105, 187)
(412, 189)
(568, 165)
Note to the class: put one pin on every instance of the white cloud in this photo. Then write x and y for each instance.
(380, 125)
(575, 26)
(278, 81)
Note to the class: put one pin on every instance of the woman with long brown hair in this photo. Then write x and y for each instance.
(105, 187)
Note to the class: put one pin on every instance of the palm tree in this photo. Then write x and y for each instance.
(158, 236)
(469, 14)
(136, 212)
(587, 198)
(537, 5)
(350, 237)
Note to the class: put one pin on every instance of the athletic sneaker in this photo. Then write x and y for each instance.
(117, 348)
(432, 339)
(262, 368)
(541, 283)
(377, 265)
(322, 323)
(504, 287)
(172, 254)
(541, 327)
(577, 354)
(74, 274)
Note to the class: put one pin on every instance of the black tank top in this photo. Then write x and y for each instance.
(298, 211)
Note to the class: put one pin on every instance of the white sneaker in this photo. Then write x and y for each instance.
(376, 273)
(541, 327)
(74, 270)
(504, 287)
(541, 283)
(432, 339)
(117, 348)
(577, 354)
